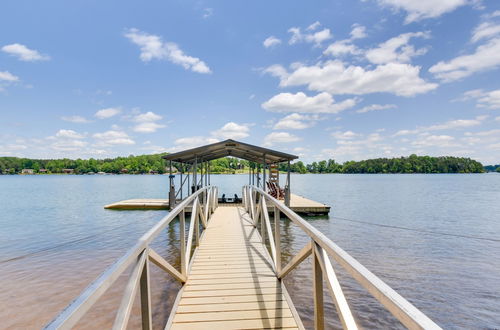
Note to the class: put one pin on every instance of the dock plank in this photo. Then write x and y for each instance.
(232, 284)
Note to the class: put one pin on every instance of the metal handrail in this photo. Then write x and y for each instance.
(321, 248)
(139, 255)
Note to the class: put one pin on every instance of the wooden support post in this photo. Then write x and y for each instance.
(171, 195)
(147, 323)
(287, 186)
(264, 186)
(319, 317)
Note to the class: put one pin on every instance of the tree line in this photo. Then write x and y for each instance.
(155, 164)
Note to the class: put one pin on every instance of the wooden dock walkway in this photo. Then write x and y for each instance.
(232, 283)
(232, 280)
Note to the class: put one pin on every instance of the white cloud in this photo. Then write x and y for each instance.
(485, 30)
(7, 76)
(449, 125)
(279, 137)
(271, 41)
(147, 117)
(421, 9)
(396, 49)
(68, 145)
(76, 119)
(316, 38)
(152, 47)
(334, 77)
(113, 137)
(300, 102)
(358, 32)
(497, 118)
(232, 130)
(147, 122)
(107, 113)
(23, 53)
(376, 107)
(341, 48)
(435, 141)
(148, 127)
(191, 142)
(69, 134)
(313, 26)
(347, 135)
(296, 121)
(484, 58)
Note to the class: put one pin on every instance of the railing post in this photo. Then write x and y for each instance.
(319, 318)
(277, 239)
(263, 208)
(147, 323)
(197, 229)
(182, 234)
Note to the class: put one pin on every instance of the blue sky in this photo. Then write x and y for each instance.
(329, 79)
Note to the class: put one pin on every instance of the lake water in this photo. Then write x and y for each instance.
(433, 238)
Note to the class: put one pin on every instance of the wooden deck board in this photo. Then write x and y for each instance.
(231, 284)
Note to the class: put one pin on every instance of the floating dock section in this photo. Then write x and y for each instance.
(298, 204)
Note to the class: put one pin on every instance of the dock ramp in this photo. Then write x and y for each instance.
(231, 271)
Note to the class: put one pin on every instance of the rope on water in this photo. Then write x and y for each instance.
(419, 230)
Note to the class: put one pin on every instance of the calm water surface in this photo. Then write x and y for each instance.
(433, 238)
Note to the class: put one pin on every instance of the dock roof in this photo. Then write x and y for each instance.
(230, 148)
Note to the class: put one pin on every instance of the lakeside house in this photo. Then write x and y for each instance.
(43, 171)
(68, 170)
(27, 171)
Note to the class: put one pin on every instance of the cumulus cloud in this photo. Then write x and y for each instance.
(347, 135)
(69, 134)
(191, 142)
(376, 107)
(153, 47)
(300, 102)
(484, 58)
(23, 53)
(313, 37)
(396, 49)
(8, 77)
(75, 119)
(271, 41)
(296, 121)
(232, 130)
(421, 9)
(342, 48)
(358, 31)
(147, 122)
(147, 117)
(148, 127)
(335, 78)
(484, 99)
(107, 113)
(278, 138)
(112, 137)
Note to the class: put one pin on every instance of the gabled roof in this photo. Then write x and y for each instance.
(230, 148)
